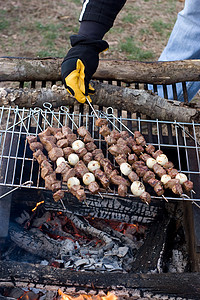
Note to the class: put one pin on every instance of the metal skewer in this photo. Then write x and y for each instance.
(16, 188)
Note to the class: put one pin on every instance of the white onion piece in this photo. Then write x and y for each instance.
(162, 159)
(73, 159)
(93, 165)
(181, 177)
(125, 168)
(88, 178)
(137, 188)
(78, 144)
(150, 162)
(165, 178)
(72, 181)
(60, 160)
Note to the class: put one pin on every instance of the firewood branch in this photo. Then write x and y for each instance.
(106, 95)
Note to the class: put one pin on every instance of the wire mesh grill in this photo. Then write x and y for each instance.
(180, 141)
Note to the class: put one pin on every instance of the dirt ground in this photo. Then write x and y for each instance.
(42, 28)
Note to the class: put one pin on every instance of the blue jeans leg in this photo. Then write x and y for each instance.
(184, 43)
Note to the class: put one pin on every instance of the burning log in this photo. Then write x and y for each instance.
(106, 95)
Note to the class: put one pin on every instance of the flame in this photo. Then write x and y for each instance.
(37, 204)
(109, 296)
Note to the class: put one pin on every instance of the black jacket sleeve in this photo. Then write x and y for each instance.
(103, 12)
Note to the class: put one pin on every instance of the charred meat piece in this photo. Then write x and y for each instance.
(138, 149)
(171, 183)
(172, 172)
(132, 158)
(141, 170)
(104, 131)
(99, 157)
(39, 156)
(145, 156)
(45, 132)
(119, 149)
(93, 187)
(148, 175)
(63, 143)
(49, 142)
(159, 170)
(49, 180)
(124, 134)
(168, 165)
(101, 176)
(110, 140)
(177, 189)
(133, 176)
(113, 173)
(87, 157)
(140, 140)
(121, 141)
(117, 180)
(80, 169)
(58, 195)
(96, 151)
(108, 168)
(150, 149)
(59, 135)
(62, 168)
(152, 182)
(81, 152)
(31, 139)
(66, 130)
(71, 137)
(46, 169)
(36, 146)
(130, 141)
(55, 130)
(100, 122)
(67, 151)
(157, 153)
(145, 197)
(88, 138)
(122, 190)
(56, 185)
(70, 173)
(82, 131)
(54, 153)
(80, 195)
(121, 159)
(90, 146)
(137, 134)
(137, 164)
(115, 134)
(188, 185)
(158, 188)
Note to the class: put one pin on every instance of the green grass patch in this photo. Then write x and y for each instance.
(4, 23)
(131, 18)
(134, 51)
(161, 27)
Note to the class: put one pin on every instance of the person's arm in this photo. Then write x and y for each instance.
(81, 62)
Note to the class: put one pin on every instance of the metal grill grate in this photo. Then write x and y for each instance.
(178, 140)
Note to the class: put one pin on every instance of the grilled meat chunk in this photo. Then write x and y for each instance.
(137, 134)
(49, 142)
(70, 173)
(130, 141)
(39, 156)
(121, 158)
(172, 172)
(31, 139)
(55, 153)
(80, 169)
(141, 170)
(145, 197)
(67, 151)
(62, 168)
(140, 140)
(188, 185)
(138, 149)
(66, 131)
(122, 190)
(132, 158)
(168, 165)
(104, 131)
(71, 137)
(88, 138)
(177, 189)
(148, 175)
(171, 183)
(87, 157)
(58, 195)
(81, 152)
(59, 135)
(119, 149)
(133, 176)
(93, 187)
(145, 156)
(100, 122)
(110, 140)
(153, 182)
(117, 180)
(90, 146)
(115, 134)
(45, 132)
(158, 188)
(138, 164)
(82, 131)
(101, 176)
(150, 149)
(159, 170)
(124, 134)
(63, 143)
(36, 146)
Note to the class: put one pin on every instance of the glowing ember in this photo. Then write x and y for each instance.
(109, 296)
(39, 203)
